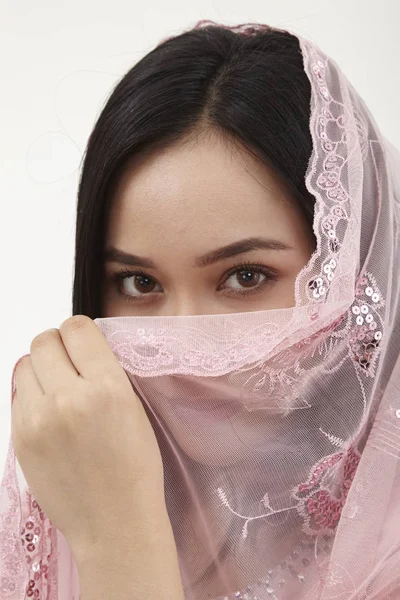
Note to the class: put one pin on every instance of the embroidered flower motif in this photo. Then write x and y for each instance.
(319, 508)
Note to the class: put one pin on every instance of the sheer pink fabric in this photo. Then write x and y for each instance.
(279, 430)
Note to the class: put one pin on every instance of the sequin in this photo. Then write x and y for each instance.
(360, 320)
(369, 318)
(356, 310)
(333, 263)
(375, 297)
(334, 245)
(398, 413)
(322, 290)
(330, 276)
(369, 291)
(331, 234)
(327, 268)
(316, 294)
(378, 335)
(364, 309)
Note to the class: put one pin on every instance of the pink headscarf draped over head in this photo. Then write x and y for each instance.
(280, 429)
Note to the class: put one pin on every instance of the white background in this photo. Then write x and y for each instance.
(59, 60)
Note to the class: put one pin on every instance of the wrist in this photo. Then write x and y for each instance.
(140, 523)
(141, 561)
(132, 528)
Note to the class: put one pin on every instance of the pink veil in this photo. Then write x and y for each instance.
(279, 430)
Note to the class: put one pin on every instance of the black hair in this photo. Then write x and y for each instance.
(246, 83)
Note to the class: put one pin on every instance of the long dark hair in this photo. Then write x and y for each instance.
(246, 82)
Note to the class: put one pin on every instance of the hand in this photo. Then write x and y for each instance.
(81, 435)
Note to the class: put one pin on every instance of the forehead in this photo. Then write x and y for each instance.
(209, 181)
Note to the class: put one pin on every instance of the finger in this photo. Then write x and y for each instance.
(25, 378)
(88, 348)
(27, 389)
(51, 362)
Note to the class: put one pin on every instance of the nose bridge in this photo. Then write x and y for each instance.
(188, 301)
(184, 307)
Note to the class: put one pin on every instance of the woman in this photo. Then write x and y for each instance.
(229, 425)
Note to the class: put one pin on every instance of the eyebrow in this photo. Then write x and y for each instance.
(240, 247)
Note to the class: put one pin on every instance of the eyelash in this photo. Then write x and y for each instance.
(270, 275)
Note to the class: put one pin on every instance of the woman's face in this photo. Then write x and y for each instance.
(202, 229)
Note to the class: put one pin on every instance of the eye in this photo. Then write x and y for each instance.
(246, 278)
(140, 284)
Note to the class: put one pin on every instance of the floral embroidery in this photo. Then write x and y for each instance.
(317, 505)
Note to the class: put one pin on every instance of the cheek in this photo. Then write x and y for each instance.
(282, 295)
